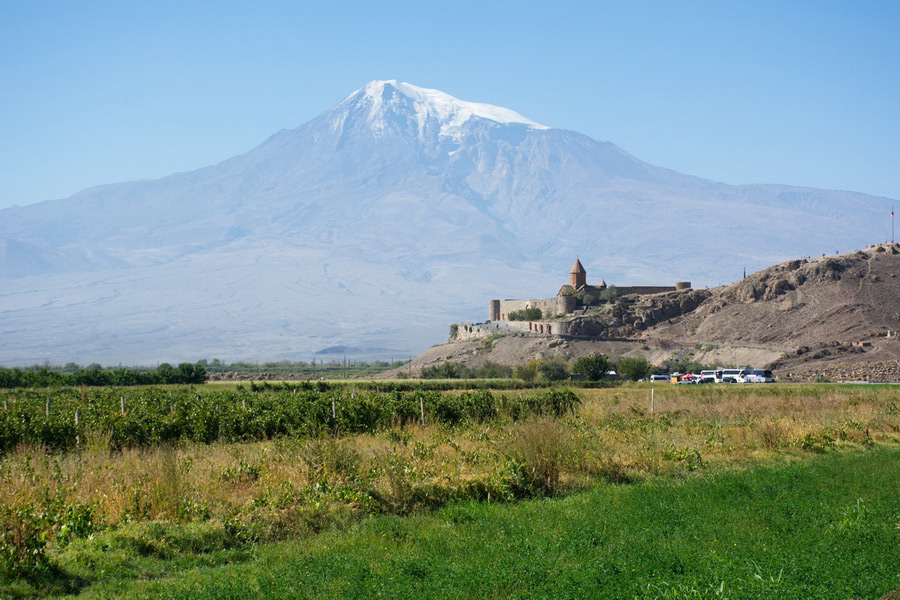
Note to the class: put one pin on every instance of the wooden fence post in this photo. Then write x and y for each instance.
(47, 407)
(122, 402)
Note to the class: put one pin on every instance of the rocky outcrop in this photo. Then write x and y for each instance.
(651, 310)
(630, 316)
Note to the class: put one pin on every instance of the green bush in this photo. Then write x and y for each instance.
(593, 367)
(447, 370)
(609, 294)
(155, 416)
(526, 372)
(554, 369)
(586, 299)
(94, 376)
(541, 450)
(526, 314)
(634, 367)
(559, 402)
(23, 542)
(492, 370)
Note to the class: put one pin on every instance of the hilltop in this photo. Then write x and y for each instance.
(835, 315)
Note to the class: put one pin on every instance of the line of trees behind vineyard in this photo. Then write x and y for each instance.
(47, 375)
(595, 367)
(96, 376)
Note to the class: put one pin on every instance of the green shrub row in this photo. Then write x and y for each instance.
(153, 415)
(409, 385)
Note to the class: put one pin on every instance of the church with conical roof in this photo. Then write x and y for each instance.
(578, 282)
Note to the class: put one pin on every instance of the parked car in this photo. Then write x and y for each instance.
(659, 378)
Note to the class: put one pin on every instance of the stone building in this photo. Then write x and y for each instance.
(566, 300)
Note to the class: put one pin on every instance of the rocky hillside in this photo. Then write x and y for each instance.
(828, 316)
(801, 304)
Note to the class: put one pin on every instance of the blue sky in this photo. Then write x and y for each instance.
(793, 92)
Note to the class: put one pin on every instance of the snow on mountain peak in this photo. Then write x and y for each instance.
(430, 105)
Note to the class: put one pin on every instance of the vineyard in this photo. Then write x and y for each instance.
(60, 419)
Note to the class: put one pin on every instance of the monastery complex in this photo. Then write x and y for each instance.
(570, 298)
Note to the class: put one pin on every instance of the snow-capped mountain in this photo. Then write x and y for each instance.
(373, 226)
(433, 113)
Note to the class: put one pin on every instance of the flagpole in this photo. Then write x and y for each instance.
(892, 224)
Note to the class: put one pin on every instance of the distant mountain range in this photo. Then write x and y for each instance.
(374, 226)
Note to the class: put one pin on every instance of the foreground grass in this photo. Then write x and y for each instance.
(820, 528)
(103, 515)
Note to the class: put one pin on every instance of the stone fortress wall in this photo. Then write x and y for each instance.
(499, 310)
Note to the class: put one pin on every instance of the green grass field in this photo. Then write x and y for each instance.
(824, 527)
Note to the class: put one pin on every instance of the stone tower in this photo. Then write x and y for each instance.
(494, 310)
(577, 276)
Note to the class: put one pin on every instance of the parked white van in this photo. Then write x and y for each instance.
(756, 376)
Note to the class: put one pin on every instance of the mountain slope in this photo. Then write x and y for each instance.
(374, 225)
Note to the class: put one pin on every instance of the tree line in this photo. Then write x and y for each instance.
(95, 376)
(595, 367)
